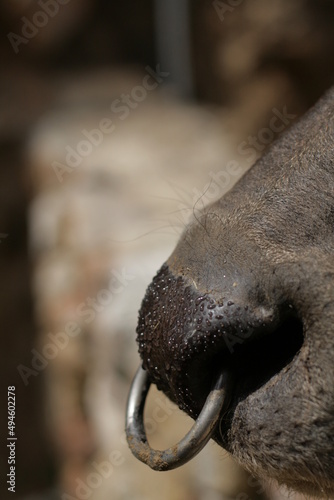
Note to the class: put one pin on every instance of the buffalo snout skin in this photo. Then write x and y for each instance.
(257, 260)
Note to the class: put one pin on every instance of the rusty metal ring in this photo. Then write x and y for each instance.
(193, 442)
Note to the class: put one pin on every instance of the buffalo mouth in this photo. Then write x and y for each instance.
(187, 339)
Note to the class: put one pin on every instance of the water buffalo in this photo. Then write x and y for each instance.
(249, 292)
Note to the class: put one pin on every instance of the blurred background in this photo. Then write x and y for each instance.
(118, 121)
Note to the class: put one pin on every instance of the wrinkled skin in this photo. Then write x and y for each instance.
(250, 289)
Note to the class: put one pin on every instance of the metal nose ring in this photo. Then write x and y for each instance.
(193, 442)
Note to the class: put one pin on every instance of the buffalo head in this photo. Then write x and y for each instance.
(249, 290)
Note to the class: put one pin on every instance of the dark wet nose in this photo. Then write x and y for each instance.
(185, 337)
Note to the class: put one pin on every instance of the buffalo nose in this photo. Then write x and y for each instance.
(186, 336)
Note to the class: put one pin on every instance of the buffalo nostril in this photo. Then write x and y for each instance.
(183, 333)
